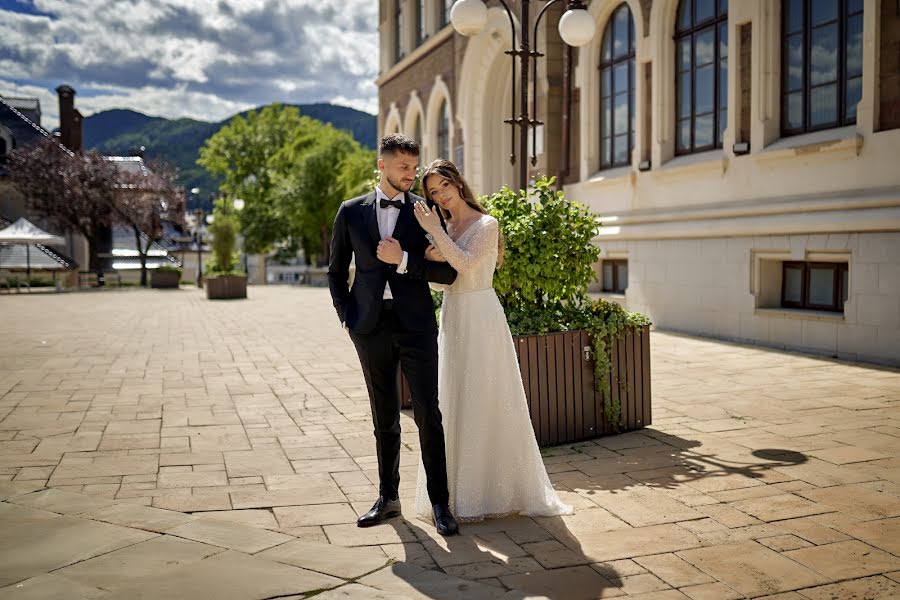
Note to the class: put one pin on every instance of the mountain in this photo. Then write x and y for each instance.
(178, 141)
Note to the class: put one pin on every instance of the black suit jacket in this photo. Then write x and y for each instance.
(356, 232)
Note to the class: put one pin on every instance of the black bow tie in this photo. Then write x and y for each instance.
(385, 203)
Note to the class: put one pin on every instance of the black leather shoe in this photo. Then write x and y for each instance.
(383, 509)
(444, 521)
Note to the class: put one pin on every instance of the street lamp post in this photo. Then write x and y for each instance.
(576, 27)
(198, 235)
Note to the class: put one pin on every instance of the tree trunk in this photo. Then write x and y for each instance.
(326, 244)
(95, 263)
(142, 253)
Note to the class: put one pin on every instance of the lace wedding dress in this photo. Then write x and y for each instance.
(494, 466)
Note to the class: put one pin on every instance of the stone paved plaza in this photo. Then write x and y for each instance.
(197, 449)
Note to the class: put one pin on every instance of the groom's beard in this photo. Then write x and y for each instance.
(399, 186)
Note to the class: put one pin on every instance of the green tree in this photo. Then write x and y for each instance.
(248, 154)
(331, 170)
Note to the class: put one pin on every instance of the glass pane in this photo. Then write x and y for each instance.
(823, 105)
(606, 117)
(723, 7)
(606, 54)
(703, 131)
(620, 149)
(606, 151)
(793, 72)
(684, 135)
(821, 286)
(822, 11)
(705, 89)
(824, 55)
(854, 94)
(620, 76)
(607, 276)
(606, 82)
(632, 38)
(684, 54)
(684, 14)
(705, 44)
(845, 284)
(620, 124)
(793, 107)
(621, 27)
(854, 45)
(684, 95)
(723, 121)
(854, 6)
(723, 84)
(794, 16)
(793, 284)
(723, 40)
(704, 9)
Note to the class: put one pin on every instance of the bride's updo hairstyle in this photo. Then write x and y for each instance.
(446, 169)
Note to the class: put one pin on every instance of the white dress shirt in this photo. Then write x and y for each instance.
(387, 220)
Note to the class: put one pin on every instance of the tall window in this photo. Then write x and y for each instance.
(821, 64)
(701, 53)
(443, 134)
(420, 22)
(417, 132)
(444, 7)
(399, 46)
(617, 90)
(615, 276)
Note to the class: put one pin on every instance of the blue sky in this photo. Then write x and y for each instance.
(205, 59)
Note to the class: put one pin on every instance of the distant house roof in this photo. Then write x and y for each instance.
(24, 130)
(30, 107)
(134, 165)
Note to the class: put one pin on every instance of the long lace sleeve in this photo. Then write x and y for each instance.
(483, 245)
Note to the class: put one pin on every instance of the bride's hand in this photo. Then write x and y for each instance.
(434, 255)
(426, 217)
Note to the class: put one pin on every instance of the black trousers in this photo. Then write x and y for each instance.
(379, 354)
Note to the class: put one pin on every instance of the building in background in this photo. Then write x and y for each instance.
(743, 154)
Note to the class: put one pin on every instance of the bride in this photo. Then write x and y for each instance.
(494, 467)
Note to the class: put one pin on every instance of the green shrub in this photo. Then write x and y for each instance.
(224, 229)
(542, 283)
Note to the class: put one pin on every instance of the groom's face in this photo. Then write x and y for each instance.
(399, 170)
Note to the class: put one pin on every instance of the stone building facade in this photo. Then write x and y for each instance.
(744, 155)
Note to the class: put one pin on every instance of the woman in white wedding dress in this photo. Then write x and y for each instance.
(494, 466)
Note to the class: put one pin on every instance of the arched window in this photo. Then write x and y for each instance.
(417, 131)
(701, 55)
(421, 29)
(617, 90)
(821, 64)
(399, 46)
(444, 11)
(443, 133)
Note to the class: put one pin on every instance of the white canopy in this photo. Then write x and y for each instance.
(24, 231)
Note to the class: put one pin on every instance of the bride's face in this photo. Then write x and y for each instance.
(443, 192)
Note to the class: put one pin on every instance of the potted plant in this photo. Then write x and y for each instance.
(585, 364)
(165, 277)
(224, 279)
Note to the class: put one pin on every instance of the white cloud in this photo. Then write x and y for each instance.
(199, 58)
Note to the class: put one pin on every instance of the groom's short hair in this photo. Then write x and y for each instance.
(397, 142)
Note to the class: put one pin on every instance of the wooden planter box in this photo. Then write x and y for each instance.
(165, 279)
(560, 385)
(226, 287)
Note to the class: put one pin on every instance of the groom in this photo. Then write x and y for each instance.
(390, 317)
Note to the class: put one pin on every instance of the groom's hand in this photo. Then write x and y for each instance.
(389, 251)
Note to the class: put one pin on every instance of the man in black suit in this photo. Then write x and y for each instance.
(390, 317)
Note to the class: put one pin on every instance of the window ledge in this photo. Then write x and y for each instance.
(712, 161)
(606, 295)
(843, 140)
(614, 175)
(799, 313)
